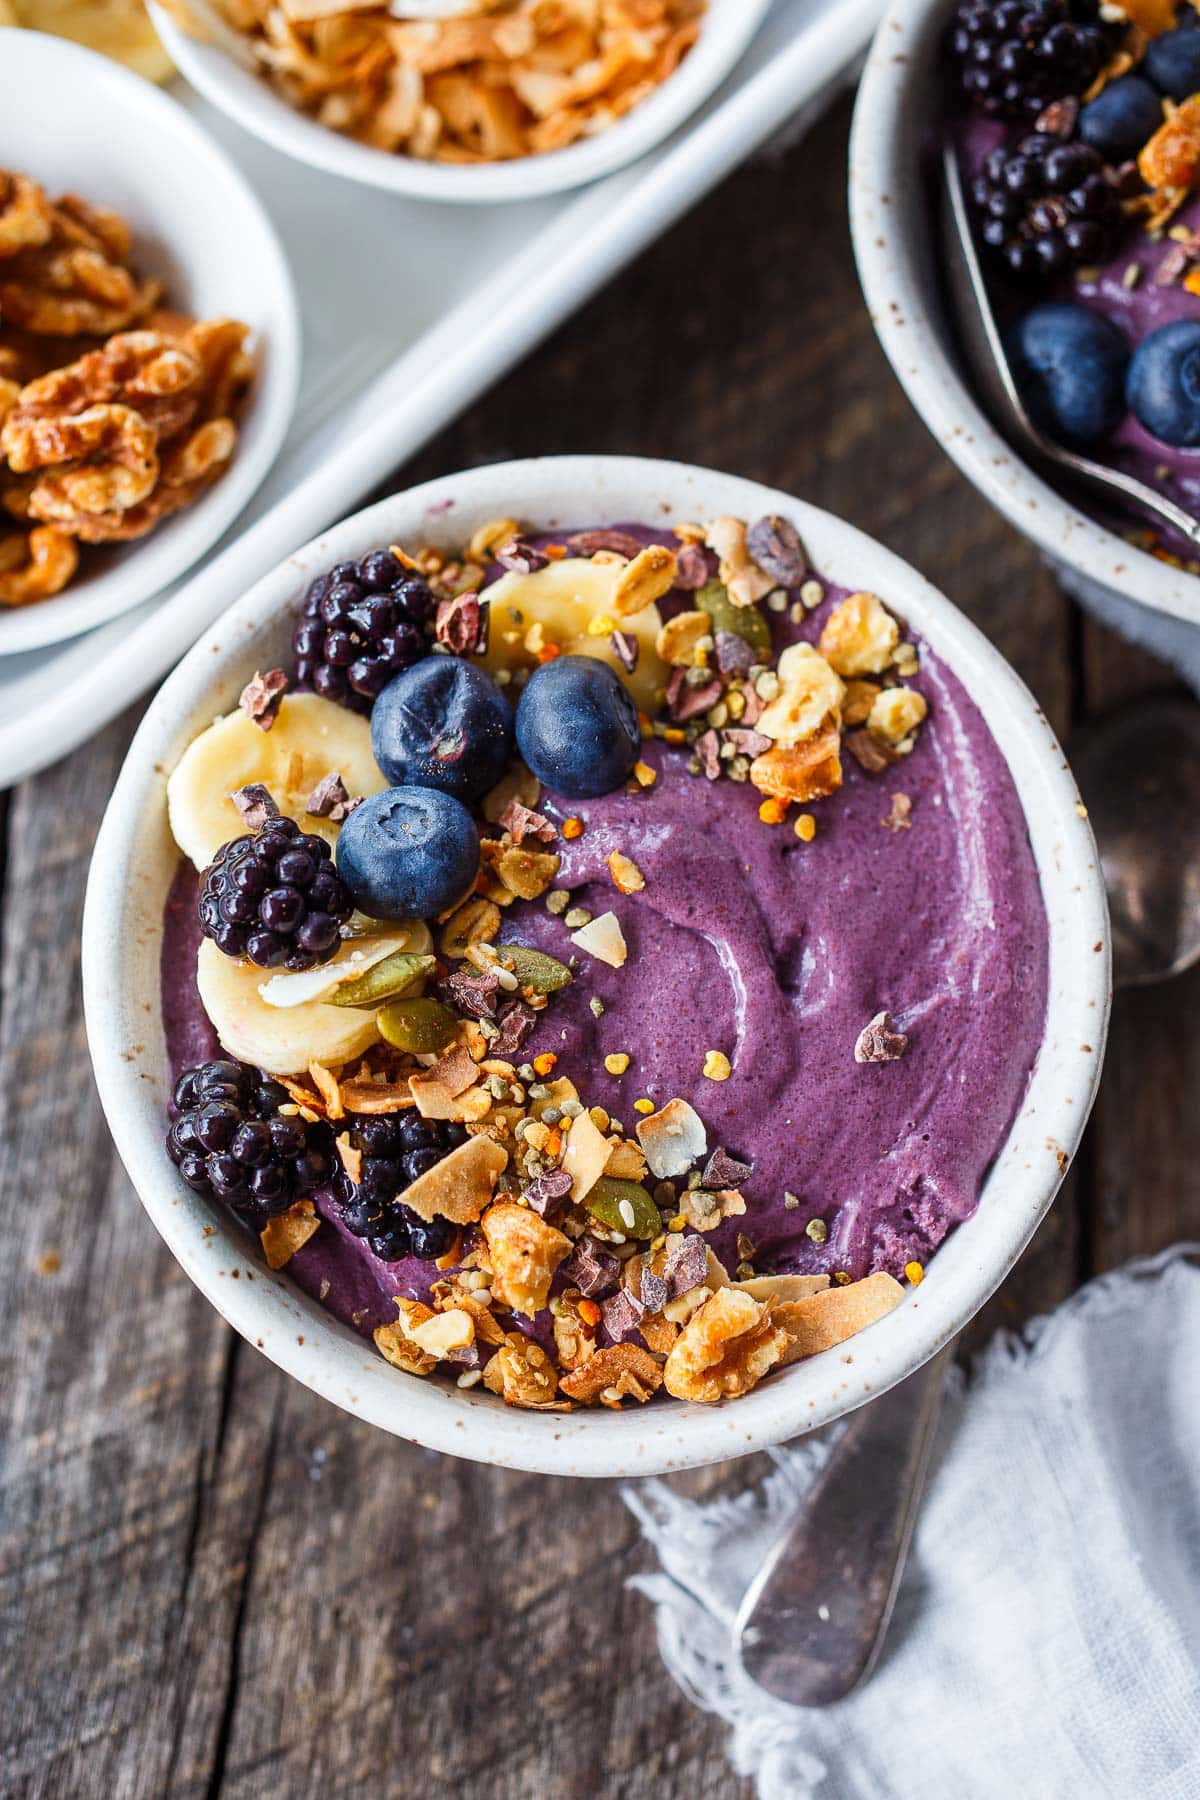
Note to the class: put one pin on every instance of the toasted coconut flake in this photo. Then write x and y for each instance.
(283, 1236)
(363, 1094)
(744, 581)
(524, 1252)
(672, 1139)
(460, 1186)
(327, 1086)
(783, 1287)
(585, 1155)
(626, 1161)
(603, 939)
(824, 1319)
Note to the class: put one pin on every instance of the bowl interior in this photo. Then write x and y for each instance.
(239, 91)
(898, 249)
(135, 859)
(119, 142)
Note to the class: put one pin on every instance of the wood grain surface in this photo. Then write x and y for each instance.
(213, 1583)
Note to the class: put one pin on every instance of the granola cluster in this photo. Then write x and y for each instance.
(501, 79)
(114, 413)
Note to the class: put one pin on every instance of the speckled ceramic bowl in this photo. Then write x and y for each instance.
(897, 249)
(135, 860)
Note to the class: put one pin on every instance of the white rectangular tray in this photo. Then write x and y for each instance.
(410, 310)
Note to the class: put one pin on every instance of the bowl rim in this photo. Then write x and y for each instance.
(156, 561)
(885, 187)
(122, 928)
(246, 98)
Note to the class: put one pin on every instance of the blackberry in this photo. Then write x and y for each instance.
(1014, 56)
(395, 1149)
(1047, 207)
(275, 896)
(230, 1141)
(360, 624)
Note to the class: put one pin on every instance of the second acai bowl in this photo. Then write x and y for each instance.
(595, 966)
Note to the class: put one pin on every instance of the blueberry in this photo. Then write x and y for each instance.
(577, 727)
(1069, 364)
(442, 724)
(1163, 384)
(1172, 62)
(1121, 119)
(408, 853)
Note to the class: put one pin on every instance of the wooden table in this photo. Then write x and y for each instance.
(215, 1583)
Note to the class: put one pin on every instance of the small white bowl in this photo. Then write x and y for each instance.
(239, 91)
(896, 244)
(135, 860)
(117, 141)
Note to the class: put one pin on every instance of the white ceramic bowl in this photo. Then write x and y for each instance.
(897, 249)
(118, 141)
(246, 97)
(122, 930)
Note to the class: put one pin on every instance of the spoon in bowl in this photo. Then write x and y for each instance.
(1138, 771)
(984, 349)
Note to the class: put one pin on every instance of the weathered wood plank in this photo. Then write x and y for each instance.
(210, 1581)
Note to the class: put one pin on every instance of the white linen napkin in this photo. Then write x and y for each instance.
(1046, 1638)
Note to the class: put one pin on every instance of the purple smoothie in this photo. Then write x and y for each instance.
(1138, 309)
(777, 952)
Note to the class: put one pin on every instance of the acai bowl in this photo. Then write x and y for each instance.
(872, 1071)
(1122, 280)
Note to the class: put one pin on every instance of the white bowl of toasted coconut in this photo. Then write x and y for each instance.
(467, 100)
(149, 341)
(873, 1330)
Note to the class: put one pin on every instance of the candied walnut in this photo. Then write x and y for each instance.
(187, 468)
(523, 1375)
(575, 1325)
(821, 1320)
(658, 1333)
(1171, 159)
(627, 877)
(36, 565)
(808, 772)
(809, 699)
(647, 578)
(860, 636)
(744, 581)
(25, 214)
(524, 1252)
(616, 1373)
(69, 286)
(439, 1334)
(895, 714)
(859, 698)
(724, 1349)
(105, 458)
(281, 1237)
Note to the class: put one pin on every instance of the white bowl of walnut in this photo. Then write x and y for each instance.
(149, 341)
(459, 100)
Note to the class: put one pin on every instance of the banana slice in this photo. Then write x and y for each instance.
(557, 605)
(310, 738)
(283, 1040)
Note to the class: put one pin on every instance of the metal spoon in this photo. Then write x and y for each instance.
(984, 349)
(1139, 773)
(812, 1623)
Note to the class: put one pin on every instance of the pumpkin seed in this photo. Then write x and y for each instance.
(534, 969)
(607, 1197)
(394, 978)
(421, 1026)
(745, 622)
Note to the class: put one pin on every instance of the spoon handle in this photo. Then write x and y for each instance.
(814, 1620)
